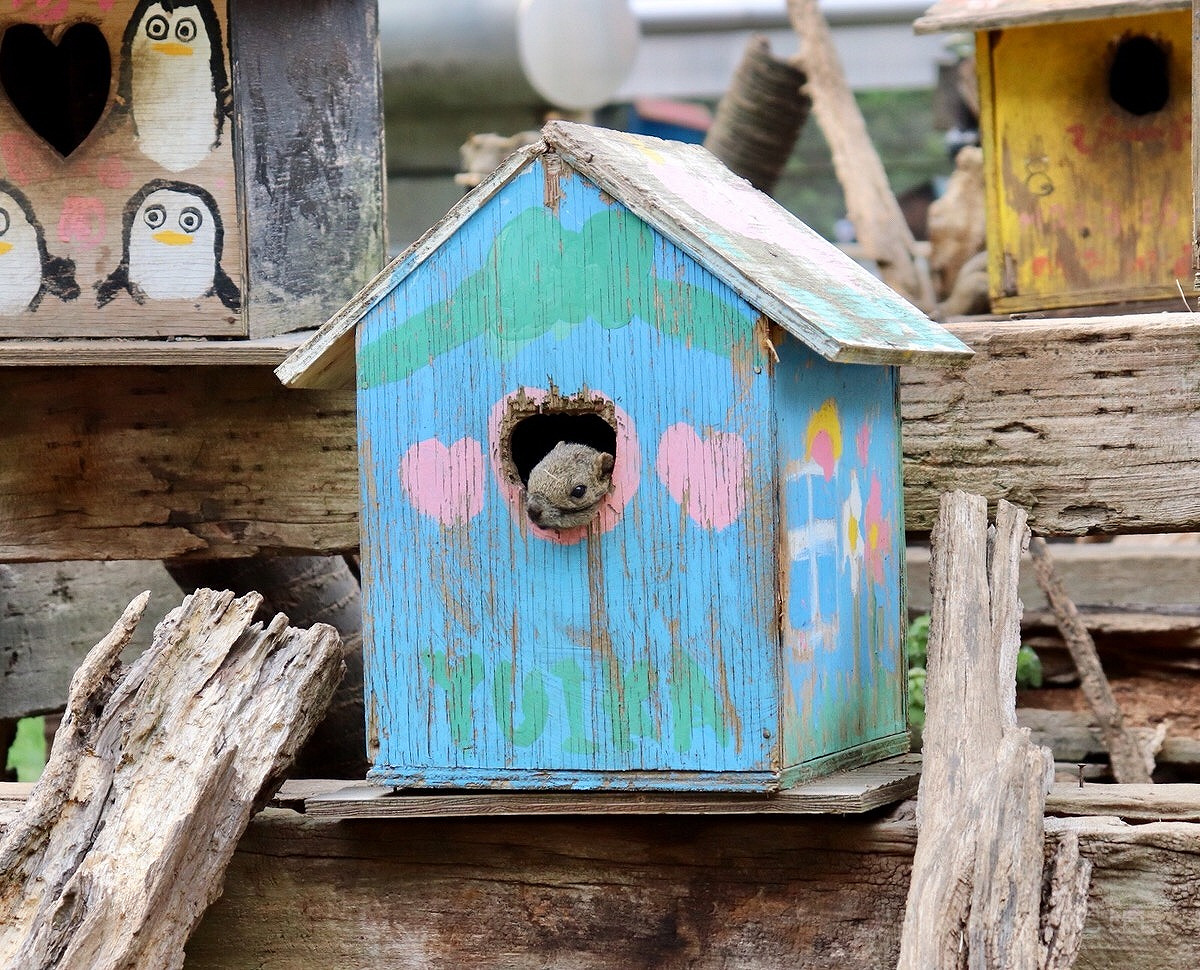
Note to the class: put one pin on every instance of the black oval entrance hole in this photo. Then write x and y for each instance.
(1139, 80)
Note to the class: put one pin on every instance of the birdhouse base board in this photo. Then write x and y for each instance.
(853, 791)
(533, 779)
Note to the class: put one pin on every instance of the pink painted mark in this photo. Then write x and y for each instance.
(25, 161)
(45, 11)
(444, 483)
(112, 173)
(862, 442)
(81, 221)
(706, 477)
(878, 531)
(627, 474)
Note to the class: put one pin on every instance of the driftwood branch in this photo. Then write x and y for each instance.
(872, 207)
(976, 893)
(1131, 763)
(153, 776)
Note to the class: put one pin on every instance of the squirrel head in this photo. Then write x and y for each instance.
(566, 487)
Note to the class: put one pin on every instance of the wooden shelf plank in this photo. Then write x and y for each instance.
(1146, 803)
(848, 792)
(259, 352)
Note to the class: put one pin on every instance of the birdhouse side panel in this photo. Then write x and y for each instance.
(118, 202)
(1089, 164)
(638, 652)
(843, 553)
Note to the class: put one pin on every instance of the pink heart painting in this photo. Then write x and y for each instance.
(445, 483)
(706, 477)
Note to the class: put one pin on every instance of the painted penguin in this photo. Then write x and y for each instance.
(173, 81)
(27, 270)
(172, 239)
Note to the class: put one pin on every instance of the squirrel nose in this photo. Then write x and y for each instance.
(535, 514)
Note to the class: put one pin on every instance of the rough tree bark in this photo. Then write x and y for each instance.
(151, 781)
(309, 590)
(976, 893)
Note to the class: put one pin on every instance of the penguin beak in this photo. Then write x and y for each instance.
(172, 48)
(5, 247)
(169, 238)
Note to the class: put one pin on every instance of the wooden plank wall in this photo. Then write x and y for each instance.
(1090, 425)
(696, 892)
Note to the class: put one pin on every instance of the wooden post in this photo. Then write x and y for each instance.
(869, 200)
(1129, 761)
(1195, 145)
(976, 893)
(153, 777)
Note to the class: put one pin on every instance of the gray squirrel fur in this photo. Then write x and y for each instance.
(568, 468)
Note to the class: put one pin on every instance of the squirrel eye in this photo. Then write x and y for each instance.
(579, 491)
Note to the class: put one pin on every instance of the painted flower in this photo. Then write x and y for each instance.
(877, 532)
(852, 531)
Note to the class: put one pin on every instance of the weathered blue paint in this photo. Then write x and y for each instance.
(653, 652)
(843, 549)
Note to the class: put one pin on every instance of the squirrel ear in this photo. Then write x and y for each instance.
(604, 464)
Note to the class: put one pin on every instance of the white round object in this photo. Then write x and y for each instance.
(576, 53)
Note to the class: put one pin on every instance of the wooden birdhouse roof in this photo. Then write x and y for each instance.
(987, 14)
(776, 263)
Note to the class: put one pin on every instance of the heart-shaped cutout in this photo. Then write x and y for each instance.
(446, 484)
(706, 477)
(59, 89)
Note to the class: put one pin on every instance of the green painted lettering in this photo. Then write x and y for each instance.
(458, 677)
(535, 705)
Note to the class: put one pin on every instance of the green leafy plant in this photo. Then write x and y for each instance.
(1029, 668)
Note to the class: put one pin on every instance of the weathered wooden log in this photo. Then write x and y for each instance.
(153, 776)
(976, 892)
(872, 207)
(1131, 763)
(759, 118)
(308, 590)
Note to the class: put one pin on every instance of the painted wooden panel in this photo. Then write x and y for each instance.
(310, 144)
(118, 208)
(843, 602)
(806, 285)
(644, 654)
(1088, 202)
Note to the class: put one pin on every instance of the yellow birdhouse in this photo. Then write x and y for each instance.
(1085, 117)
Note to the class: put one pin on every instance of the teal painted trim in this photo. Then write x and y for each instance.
(537, 780)
(863, 754)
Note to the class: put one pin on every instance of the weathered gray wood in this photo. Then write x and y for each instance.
(52, 614)
(1130, 761)
(308, 590)
(310, 124)
(847, 792)
(668, 893)
(1132, 802)
(260, 352)
(969, 15)
(155, 463)
(1092, 425)
(976, 893)
(148, 462)
(1075, 738)
(872, 207)
(154, 773)
(1131, 575)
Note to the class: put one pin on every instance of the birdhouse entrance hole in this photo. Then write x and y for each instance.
(1139, 78)
(59, 85)
(530, 431)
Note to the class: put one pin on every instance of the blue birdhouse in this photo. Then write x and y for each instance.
(731, 616)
